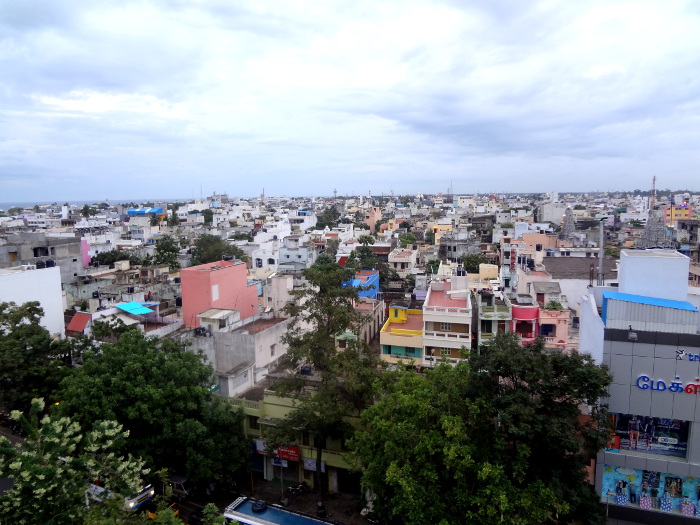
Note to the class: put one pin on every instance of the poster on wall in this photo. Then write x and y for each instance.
(653, 435)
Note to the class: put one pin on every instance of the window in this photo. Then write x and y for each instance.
(445, 351)
(258, 263)
(305, 439)
(222, 323)
(253, 422)
(272, 349)
(270, 261)
(215, 292)
(396, 312)
(342, 343)
(446, 327)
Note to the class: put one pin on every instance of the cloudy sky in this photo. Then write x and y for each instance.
(127, 99)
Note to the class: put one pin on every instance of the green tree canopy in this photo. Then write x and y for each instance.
(54, 466)
(499, 439)
(160, 393)
(110, 257)
(211, 248)
(471, 261)
(29, 364)
(342, 379)
(167, 252)
(407, 238)
(208, 216)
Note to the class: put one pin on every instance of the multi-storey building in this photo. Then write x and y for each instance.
(401, 337)
(646, 331)
(447, 319)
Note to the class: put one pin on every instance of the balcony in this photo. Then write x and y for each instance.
(447, 310)
(447, 336)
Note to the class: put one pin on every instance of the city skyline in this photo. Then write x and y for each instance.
(162, 98)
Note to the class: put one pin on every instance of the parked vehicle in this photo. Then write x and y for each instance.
(298, 490)
(97, 493)
(182, 487)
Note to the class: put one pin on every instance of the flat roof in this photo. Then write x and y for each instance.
(413, 322)
(653, 301)
(442, 298)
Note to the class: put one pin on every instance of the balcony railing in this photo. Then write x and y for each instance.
(450, 336)
(446, 310)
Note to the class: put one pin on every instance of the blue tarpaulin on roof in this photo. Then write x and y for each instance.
(134, 308)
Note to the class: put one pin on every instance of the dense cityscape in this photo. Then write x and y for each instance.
(346, 359)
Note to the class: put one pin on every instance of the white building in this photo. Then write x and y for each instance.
(25, 283)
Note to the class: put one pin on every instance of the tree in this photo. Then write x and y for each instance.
(14, 210)
(341, 383)
(167, 252)
(499, 439)
(154, 220)
(87, 211)
(28, 366)
(208, 216)
(471, 261)
(54, 466)
(429, 237)
(174, 220)
(110, 257)
(405, 224)
(160, 393)
(332, 246)
(365, 240)
(580, 207)
(211, 248)
(407, 238)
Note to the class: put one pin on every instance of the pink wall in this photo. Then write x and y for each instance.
(84, 249)
(230, 277)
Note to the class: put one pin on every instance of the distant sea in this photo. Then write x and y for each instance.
(21, 204)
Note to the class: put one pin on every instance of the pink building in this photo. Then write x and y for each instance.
(222, 284)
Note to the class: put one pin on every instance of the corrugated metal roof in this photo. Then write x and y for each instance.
(653, 301)
(79, 322)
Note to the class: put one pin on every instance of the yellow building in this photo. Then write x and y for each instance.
(402, 335)
(264, 408)
(673, 214)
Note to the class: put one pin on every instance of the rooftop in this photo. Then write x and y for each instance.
(577, 267)
(413, 322)
(259, 325)
(443, 298)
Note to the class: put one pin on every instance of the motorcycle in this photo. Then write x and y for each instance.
(298, 490)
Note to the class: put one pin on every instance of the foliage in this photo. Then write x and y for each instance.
(580, 207)
(110, 257)
(554, 305)
(612, 251)
(332, 246)
(407, 238)
(364, 258)
(154, 220)
(342, 379)
(208, 216)
(160, 392)
(405, 224)
(378, 224)
(15, 210)
(472, 261)
(429, 237)
(167, 252)
(88, 211)
(434, 265)
(174, 220)
(211, 248)
(365, 240)
(328, 217)
(423, 456)
(28, 368)
(506, 225)
(54, 466)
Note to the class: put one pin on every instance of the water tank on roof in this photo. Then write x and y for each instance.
(177, 279)
(50, 263)
(178, 301)
(40, 264)
(460, 271)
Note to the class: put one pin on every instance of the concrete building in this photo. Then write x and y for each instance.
(646, 331)
(27, 283)
(447, 319)
(222, 285)
(401, 337)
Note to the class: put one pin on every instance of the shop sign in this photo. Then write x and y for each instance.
(279, 462)
(645, 383)
(290, 453)
(310, 464)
